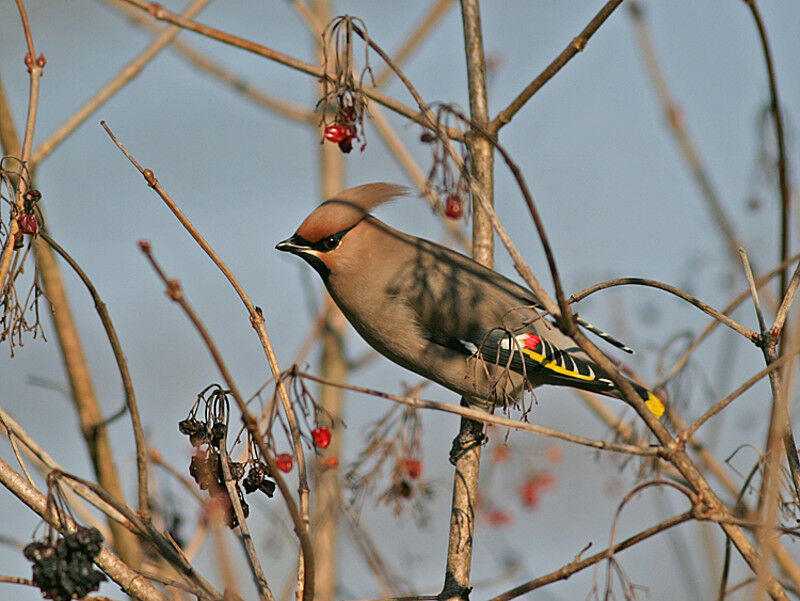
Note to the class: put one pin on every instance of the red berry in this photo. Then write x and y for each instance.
(534, 486)
(321, 436)
(453, 206)
(500, 453)
(28, 224)
(498, 517)
(335, 133)
(412, 467)
(284, 462)
(330, 463)
(529, 494)
(338, 132)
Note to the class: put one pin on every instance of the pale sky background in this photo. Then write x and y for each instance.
(614, 194)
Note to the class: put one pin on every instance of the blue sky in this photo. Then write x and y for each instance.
(614, 194)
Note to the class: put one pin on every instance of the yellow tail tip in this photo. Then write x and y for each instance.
(654, 404)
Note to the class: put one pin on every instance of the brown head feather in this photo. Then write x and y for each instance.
(346, 209)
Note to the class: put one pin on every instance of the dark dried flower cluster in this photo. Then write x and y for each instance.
(208, 437)
(63, 569)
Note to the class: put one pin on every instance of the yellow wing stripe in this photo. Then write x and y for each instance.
(554, 366)
(654, 404)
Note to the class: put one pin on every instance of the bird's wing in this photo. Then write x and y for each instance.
(542, 362)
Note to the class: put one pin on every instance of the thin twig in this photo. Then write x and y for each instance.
(162, 14)
(786, 303)
(720, 405)
(718, 315)
(130, 581)
(45, 464)
(175, 293)
(487, 418)
(714, 323)
(257, 321)
(128, 73)
(122, 366)
(35, 69)
(775, 109)
(264, 591)
(577, 45)
(579, 564)
(753, 290)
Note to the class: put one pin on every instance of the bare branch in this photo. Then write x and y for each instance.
(128, 73)
(487, 418)
(577, 44)
(718, 315)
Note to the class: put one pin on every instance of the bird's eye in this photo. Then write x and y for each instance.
(330, 243)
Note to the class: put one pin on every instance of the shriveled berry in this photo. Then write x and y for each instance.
(204, 468)
(218, 431)
(267, 487)
(284, 462)
(190, 426)
(28, 224)
(346, 145)
(38, 551)
(253, 479)
(453, 206)
(236, 468)
(321, 436)
(403, 489)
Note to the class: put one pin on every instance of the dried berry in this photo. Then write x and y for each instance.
(236, 468)
(28, 224)
(254, 477)
(218, 431)
(267, 487)
(321, 436)
(346, 145)
(63, 570)
(190, 426)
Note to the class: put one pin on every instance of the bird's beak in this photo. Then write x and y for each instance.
(295, 245)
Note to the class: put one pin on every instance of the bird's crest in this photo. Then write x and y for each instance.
(346, 208)
(369, 196)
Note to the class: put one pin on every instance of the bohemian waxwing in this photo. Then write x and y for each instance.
(438, 312)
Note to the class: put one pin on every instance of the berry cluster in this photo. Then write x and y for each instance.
(344, 129)
(26, 219)
(206, 466)
(63, 569)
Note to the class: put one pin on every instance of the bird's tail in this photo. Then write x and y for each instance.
(541, 361)
(604, 335)
(654, 404)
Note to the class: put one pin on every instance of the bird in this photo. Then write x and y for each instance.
(439, 313)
